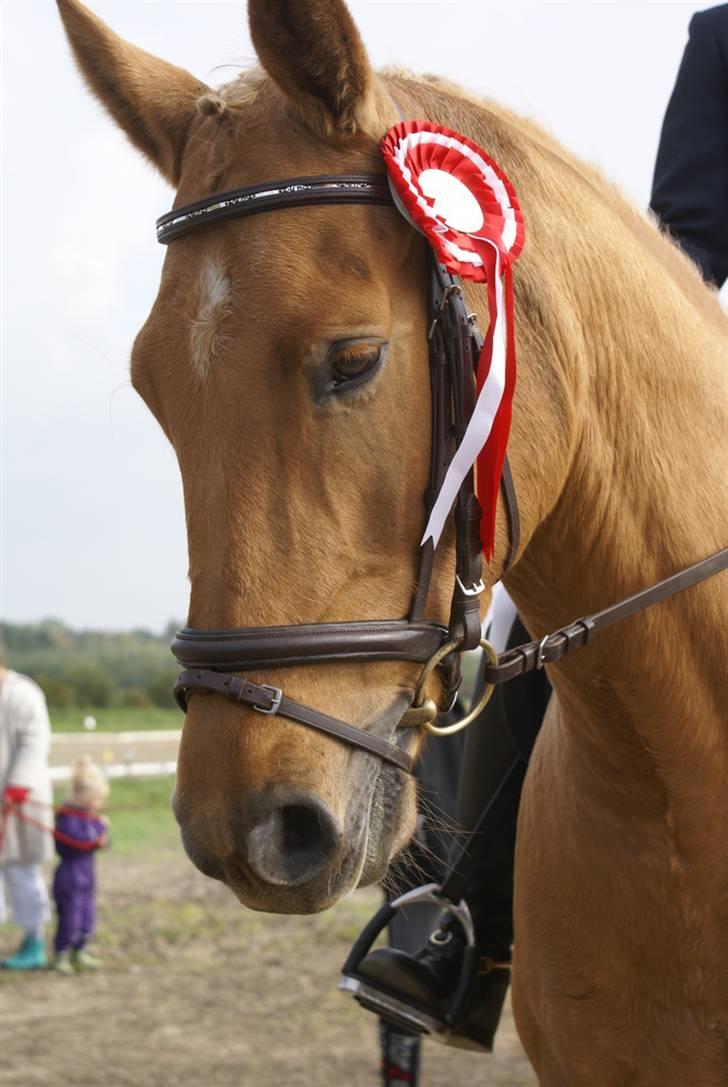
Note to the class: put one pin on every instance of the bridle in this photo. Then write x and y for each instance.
(210, 658)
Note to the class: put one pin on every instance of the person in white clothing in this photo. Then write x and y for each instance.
(25, 786)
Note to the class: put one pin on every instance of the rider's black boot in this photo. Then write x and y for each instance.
(467, 1009)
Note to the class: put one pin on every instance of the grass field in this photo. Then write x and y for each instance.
(141, 820)
(117, 719)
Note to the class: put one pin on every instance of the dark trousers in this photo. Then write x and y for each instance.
(505, 732)
(463, 774)
(76, 911)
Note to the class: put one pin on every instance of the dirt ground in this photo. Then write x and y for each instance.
(198, 991)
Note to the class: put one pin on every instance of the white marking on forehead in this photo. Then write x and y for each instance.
(214, 302)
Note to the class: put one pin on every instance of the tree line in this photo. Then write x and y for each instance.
(92, 669)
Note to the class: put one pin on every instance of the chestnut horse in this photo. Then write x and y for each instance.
(285, 358)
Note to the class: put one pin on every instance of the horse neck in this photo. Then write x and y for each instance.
(617, 416)
(644, 497)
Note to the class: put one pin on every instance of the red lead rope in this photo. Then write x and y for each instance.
(10, 808)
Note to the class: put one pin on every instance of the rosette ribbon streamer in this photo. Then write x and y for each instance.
(460, 199)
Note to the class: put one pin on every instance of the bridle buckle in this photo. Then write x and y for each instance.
(277, 694)
(451, 289)
(473, 590)
(540, 652)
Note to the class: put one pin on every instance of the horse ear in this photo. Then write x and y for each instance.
(313, 51)
(152, 101)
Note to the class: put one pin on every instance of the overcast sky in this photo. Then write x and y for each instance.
(91, 521)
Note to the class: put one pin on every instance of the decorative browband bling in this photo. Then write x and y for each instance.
(291, 192)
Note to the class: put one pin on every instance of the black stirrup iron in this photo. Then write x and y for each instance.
(448, 989)
(400, 996)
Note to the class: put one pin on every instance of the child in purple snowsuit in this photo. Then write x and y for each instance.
(80, 833)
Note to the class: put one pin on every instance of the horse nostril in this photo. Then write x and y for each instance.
(293, 842)
(301, 826)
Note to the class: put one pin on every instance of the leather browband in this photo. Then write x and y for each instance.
(291, 192)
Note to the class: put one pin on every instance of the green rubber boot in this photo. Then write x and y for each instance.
(83, 961)
(62, 964)
(31, 955)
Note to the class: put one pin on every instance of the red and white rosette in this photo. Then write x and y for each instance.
(466, 207)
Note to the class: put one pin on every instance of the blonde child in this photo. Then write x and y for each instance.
(80, 831)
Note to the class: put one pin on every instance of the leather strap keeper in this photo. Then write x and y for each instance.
(531, 655)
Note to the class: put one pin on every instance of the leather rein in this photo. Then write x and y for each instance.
(211, 657)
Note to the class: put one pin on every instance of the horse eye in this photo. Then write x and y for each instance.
(354, 362)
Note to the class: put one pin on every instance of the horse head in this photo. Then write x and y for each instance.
(286, 359)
